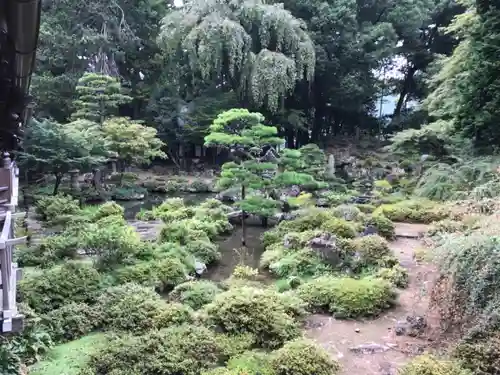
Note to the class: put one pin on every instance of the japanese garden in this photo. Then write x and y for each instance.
(237, 187)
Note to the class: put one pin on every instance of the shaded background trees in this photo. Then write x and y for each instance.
(316, 70)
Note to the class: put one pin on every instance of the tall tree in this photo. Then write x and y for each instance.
(260, 50)
(53, 148)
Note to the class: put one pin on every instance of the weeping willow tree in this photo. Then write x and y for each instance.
(258, 49)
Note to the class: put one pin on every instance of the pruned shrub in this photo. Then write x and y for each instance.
(339, 227)
(470, 274)
(203, 251)
(263, 313)
(111, 241)
(372, 249)
(412, 211)
(396, 275)
(71, 321)
(57, 286)
(347, 212)
(49, 252)
(382, 224)
(108, 209)
(195, 293)
(57, 207)
(346, 297)
(303, 357)
(251, 362)
(134, 308)
(428, 364)
(480, 351)
(186, 350)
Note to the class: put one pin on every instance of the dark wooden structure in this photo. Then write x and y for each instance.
(19, 26)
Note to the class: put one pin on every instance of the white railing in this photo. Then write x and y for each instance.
(10, 274)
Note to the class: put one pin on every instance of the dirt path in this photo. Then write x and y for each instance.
(372, 346)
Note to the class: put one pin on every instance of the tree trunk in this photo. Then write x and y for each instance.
(59, 177)
(243, 214)
(404, 92)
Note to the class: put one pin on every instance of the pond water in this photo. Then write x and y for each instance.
(232, 254)
(132, 208)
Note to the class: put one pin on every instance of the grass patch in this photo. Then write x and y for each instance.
(69, 358)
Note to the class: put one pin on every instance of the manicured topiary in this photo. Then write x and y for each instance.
(427, 365)
(108, 209)
(263, 313)
(339, 227)
(346, 297)
(303, 357)
(60, 285)
(371, 249)
(134, 308)
(195, 293)
(382, 225)
(71, 321)
(396, 275)
(187, 349)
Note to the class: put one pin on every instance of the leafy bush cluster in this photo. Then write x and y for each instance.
(412, 211)
(347, 297)
(271, 317)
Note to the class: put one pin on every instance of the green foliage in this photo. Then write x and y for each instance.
(195, 293)
(469, 277)
(396, 275)
(372, 249)
(445, 182)
(480, 355)
(55, 287)
(134, 308)
(382, 224)
(346, 297)
(302, 357)
(265, 73)
(413, 211)
(108, 209)
(187, 349)
(52, 208)
(111, 240)
(132, 142)
(56, 149)
(427, 364)
(163, 274)
(339, 227)
(98, 97)
(264, 313)
(26, 347)
(71, 321)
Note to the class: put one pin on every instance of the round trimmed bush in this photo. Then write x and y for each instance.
(263, 313)
(347, 212)
(430, 365)
(303, 357)
(203, 251)
(109, 209)
(195, 293)
(131, 307)
(396, 275)
(186, 350)
(383, 225)
(346, 297)
(71, 321)
(251, 362)
(372, 249)
(174, 314)
(339, 227)
(164, 273)
(60, 285)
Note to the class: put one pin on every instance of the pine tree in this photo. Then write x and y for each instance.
(98, 97)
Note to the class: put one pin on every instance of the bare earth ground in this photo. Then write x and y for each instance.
(390, 352)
